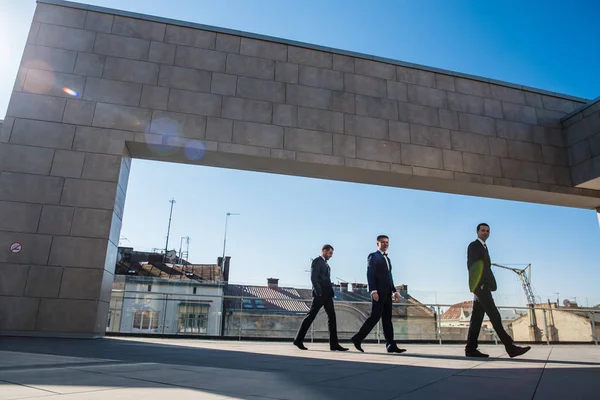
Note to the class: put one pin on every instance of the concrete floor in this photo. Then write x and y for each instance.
(193, 369)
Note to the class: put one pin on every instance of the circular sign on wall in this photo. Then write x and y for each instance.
(16, 247)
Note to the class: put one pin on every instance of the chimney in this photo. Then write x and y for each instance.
(359, 287)
(403, 289)
(273, 283)
(344, 286)
(226, 270)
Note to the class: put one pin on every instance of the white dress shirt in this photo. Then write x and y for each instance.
(482, 242)
(386, 259)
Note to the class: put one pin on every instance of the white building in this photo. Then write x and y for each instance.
(142, 304)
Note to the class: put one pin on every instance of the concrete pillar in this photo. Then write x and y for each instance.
(61, 206)
(62, 192)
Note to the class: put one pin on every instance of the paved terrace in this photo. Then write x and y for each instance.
(192, 369)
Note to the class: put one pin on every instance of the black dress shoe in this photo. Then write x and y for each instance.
(299, 345)
(356, 343)
(514, 351)
(338, 348)
(395, 349)
(475, 353)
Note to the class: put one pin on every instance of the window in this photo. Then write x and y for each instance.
(259, 304)
(146, 319)
(247, 304)
(149, 288)
(193, 318)
(195, 290)
(113, 323)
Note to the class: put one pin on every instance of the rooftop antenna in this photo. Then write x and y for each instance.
(184, 255)
(187, 248)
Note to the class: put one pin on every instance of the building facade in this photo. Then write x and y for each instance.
(147, 305)
(560, 324)
(150, 296)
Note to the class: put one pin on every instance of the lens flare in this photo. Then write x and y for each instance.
(475, 274)
(166, 137)
(164, 127)
(70, 92)
(196, 151)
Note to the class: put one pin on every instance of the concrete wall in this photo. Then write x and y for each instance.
(97, 87)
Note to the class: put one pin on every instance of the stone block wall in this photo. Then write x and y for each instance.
(255, 97)
(582, 137)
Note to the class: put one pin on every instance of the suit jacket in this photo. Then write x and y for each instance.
(479, 265)
(320, 278)
(378, 275)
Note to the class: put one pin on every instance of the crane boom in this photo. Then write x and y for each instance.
(525, 280)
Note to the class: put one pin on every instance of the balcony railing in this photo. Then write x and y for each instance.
(238, 317)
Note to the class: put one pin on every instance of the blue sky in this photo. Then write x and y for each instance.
(547, 44)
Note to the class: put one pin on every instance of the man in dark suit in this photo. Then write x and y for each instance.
(383, 292)
(322, 297)
(482, 283)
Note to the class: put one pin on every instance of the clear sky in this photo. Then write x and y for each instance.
(553, 45)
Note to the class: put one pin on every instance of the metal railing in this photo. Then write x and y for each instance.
(242, 317)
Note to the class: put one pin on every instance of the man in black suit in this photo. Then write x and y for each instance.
(482, 283)
(383, 292)
(322, 297)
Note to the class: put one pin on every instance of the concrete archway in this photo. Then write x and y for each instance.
(99, 87)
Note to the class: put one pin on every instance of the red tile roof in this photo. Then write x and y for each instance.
(454, 313)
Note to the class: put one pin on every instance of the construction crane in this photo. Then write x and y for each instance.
(525, 278)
